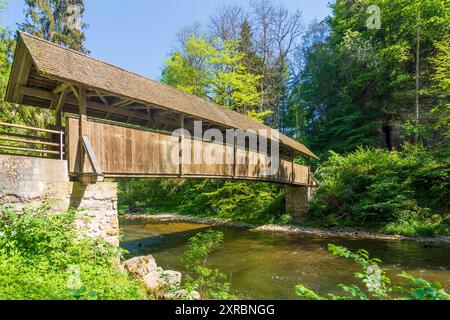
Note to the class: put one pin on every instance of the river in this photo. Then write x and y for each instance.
(267, 265)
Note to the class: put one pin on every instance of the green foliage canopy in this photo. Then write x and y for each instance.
(214, 69)
(356, 82)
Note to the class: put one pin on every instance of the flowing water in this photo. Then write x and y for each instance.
(265, 265)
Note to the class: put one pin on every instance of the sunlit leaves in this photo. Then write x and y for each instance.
(377, 284)
(214, 69)
(210, 283)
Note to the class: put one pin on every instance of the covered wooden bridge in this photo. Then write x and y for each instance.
(117, 124)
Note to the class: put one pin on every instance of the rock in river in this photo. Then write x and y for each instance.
(157, 281)
(140, 266)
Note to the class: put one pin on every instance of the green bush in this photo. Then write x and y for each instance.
(45, 257)
(211, 284)
(247, 201)
(405, 192)
(377, 285)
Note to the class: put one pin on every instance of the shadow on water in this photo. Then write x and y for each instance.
(265, 265)
(159, 242)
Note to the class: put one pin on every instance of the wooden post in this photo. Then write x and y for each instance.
(61, 145)
(310, 183)
(181, 142)
(59, 108)
(293, 167)
(83, 125)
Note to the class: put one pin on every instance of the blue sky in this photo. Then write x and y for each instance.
(139, 34)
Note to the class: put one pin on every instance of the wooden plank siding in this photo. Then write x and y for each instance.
(43, 70)
(123, 151)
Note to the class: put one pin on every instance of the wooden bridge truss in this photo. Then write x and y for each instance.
(119, 124)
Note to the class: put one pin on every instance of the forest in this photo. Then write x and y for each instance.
(367, 89)
(372, 103)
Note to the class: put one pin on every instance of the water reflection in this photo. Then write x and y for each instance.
(269, 265)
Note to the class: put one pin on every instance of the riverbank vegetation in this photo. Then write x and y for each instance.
(399, 192)
(394, 192)
(45, 257)
(377, 285)
(250, 202)
(211, 284)
(372, 101)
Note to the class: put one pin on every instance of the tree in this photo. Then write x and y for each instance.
(441, 87)
(5, 68)
(13, 112)
(360, 84)
(226, 23)
(57, 21)
(277, 32)
(214, 70)
(252, 62)
(298, 118)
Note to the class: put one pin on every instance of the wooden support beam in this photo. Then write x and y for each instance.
(60, 104)
(145, 107)
(32, 92)
(83, 126)
(75, 93)
(102, 98)
(149, 122)
(47, 95)
(122, 103)
(62, 87)
(122, 111)
(170, 114)
(59, 107)
(83, 111)
(310, 177)
(91, 156)
(293, 167)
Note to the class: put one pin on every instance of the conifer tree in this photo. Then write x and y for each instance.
(58, 21)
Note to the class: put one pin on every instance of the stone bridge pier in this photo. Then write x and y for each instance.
(30, 182)
(297, 201)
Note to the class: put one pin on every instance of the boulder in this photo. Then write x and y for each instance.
(140, 266)
(159, 280)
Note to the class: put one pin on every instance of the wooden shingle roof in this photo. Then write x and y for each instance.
(62, 64)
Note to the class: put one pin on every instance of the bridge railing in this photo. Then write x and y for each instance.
(31, 141)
